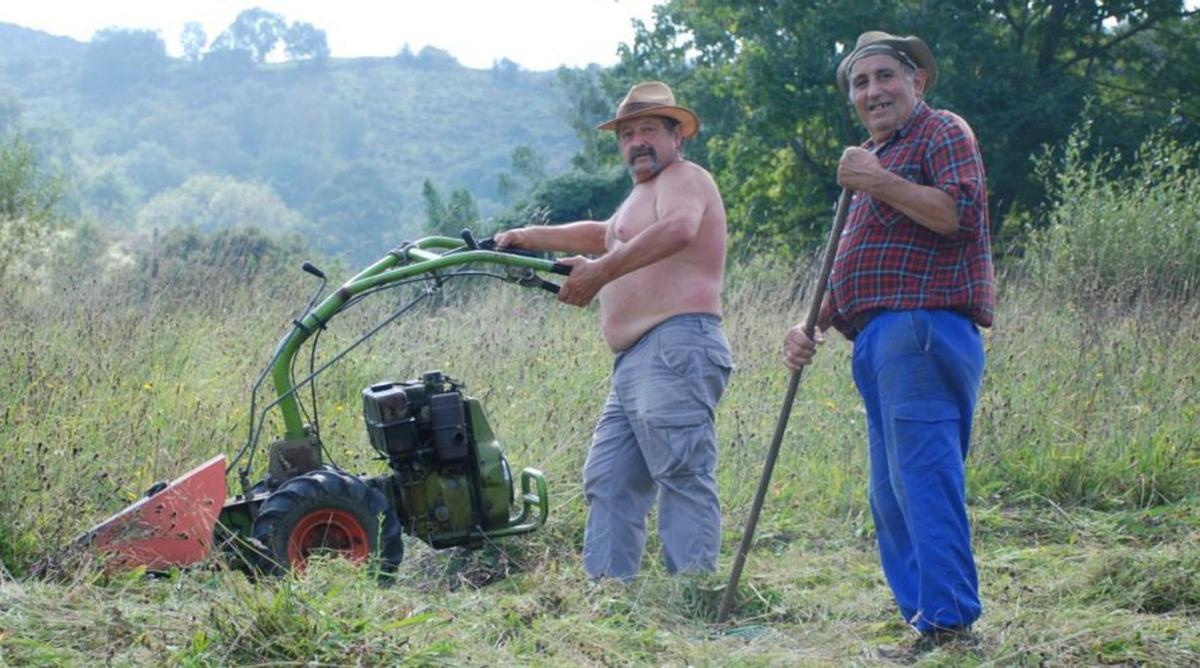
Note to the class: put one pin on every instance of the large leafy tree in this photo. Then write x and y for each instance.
(762, 77)
(255, 32)
(304, 41)
(210, 203)
(118, 59)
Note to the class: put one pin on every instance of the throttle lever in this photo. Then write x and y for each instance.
(489, 244)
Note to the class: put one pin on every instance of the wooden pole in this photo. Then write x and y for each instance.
(810, 326)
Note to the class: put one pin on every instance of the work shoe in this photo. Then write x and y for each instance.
(960, 638)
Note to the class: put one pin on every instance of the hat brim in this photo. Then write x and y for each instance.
(689, 122)
(915, 47)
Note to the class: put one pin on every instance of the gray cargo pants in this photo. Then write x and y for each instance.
(656, 436)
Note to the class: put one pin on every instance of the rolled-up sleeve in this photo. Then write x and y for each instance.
(955, 166)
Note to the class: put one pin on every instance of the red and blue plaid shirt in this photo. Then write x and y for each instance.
(886, 260)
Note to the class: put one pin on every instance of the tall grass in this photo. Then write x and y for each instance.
(1120, 235)
(112, 386)
(1082, 478)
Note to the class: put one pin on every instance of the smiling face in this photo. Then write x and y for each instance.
(648, 145)
(884, 93)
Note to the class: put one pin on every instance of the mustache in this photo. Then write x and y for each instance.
(640, 151)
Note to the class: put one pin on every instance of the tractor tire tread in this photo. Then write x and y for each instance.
(387, 534)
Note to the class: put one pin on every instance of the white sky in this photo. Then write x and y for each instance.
(537, 34)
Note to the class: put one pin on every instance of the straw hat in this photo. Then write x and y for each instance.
(877, 41)
(654, 98)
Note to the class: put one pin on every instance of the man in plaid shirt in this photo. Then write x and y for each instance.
(911, 284)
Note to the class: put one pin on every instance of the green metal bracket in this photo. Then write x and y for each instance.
(524, 523)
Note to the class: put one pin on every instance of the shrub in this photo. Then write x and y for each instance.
(1120, 235)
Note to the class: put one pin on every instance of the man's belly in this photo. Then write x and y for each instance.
(633, 304)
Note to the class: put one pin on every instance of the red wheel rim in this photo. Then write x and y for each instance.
(328, 530)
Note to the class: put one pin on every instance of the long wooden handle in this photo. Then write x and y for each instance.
(810, 326)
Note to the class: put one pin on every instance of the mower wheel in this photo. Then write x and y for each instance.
(330, 512)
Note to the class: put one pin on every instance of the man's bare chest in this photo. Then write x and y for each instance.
(636, 214)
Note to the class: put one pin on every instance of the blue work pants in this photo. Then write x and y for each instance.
(919, 374)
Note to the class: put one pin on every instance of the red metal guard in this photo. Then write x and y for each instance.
(173, 527)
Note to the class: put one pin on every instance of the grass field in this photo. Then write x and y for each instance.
(1083, 486)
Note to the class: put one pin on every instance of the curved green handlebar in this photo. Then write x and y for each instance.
(419, 257)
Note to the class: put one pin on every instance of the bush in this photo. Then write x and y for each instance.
(1120, 235)
(191, 260)
(29, 199)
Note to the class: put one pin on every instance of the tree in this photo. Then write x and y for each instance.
(223, 62)
(29, 198)
(118, 59)
(356, 212)
(576, 195)
(505, 70)
(192, 40)
(589, 103)
(448, 218)
(762, 78)
(305, 42)
(526, 170)
(255, 31)
(405, 55)
(433, 58)
(435, 208)
(209, 203)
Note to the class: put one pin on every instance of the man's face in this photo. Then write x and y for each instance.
(647, 146)
(884, 93)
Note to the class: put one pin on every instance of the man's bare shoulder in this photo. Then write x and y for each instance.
(684, 173)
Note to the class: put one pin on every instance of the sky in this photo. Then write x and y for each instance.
(536, 34)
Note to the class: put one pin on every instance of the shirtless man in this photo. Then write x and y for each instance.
(658, 272)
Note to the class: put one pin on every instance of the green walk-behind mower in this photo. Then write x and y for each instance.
(448, 484)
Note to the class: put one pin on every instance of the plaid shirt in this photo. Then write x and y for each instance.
(886, 260)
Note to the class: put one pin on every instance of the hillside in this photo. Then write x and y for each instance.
(345, 143)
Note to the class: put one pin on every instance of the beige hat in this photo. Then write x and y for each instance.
(654, 98)
(876, 41)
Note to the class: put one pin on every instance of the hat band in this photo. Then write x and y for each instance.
(634, 107)
(881, 49)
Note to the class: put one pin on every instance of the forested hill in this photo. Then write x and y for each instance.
(338, 149)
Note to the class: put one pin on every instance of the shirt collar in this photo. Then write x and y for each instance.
(919, 110)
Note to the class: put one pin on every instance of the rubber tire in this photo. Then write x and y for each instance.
(285, 509)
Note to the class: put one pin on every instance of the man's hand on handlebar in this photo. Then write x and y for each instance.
(584, 281)
(509, 239)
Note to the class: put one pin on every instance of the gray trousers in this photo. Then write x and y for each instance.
(656, 437)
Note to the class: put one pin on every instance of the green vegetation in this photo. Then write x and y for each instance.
(153, 213)
(1083, 476)
(1121, 236)
(775, 123)
(28, 201)
(338, 147)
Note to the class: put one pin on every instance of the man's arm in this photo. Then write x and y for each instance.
(681, 199)
(679, 207)
(585, 237)
(930, 207)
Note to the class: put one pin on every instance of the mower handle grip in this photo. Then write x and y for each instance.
(489, 244)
